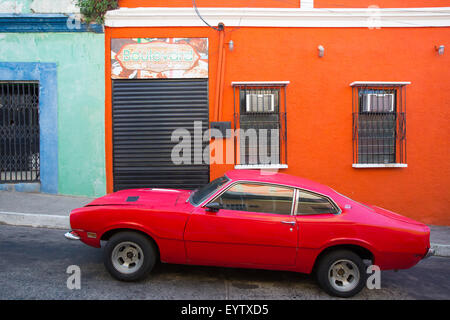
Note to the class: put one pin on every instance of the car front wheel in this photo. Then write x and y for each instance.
(129, 256)
(341, 273)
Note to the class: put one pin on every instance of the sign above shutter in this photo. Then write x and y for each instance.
(147, 58)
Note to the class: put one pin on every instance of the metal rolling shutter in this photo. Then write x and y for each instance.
(145, 113)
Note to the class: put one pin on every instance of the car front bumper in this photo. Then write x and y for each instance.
(71, 235)
(430, 253)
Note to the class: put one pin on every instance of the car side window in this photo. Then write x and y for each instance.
(264, 198)
(311, 203)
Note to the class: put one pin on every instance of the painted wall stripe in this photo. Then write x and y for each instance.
(44, 23)
(281, 17)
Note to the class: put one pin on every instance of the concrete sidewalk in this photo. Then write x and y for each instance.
(38, 209)
(52, 211)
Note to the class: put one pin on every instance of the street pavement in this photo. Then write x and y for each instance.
(34, 263)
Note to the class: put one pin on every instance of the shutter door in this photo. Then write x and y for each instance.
(145, 113)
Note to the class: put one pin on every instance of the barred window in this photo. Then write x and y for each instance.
(19, 131)
(260, 114)
(379, 124)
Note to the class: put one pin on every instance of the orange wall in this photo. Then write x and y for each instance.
(319, 104)
(286, 3)
(212, 3)
(380, 3)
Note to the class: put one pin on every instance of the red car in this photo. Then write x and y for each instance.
(248, 219)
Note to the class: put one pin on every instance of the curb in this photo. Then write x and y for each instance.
(35, 220)
(63, 222)
(441, 250)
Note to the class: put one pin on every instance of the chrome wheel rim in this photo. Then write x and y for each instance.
(344, 275)
(127, 257)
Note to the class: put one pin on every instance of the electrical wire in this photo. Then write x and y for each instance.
(201, 18)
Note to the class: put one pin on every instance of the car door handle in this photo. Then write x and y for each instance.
(292, 223)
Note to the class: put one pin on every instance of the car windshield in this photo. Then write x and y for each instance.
(201, 194)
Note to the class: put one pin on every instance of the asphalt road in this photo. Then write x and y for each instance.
(34, 261)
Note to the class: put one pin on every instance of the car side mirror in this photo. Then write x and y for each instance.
(213, 206)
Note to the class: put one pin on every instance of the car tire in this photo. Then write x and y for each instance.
(341, 273)
(129, 256)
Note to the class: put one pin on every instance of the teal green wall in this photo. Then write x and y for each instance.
(80, 59)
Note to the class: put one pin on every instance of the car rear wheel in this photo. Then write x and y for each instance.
(129, 256)
(341, 273)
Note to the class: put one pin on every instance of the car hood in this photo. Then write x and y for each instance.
(148, 197)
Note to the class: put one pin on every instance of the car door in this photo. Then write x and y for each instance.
(254, 226)
(317, 219)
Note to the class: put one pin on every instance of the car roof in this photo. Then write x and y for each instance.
(278, 178)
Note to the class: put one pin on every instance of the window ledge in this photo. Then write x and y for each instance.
(380, 165)
(261, 166)
(379, 83)
(260, 83)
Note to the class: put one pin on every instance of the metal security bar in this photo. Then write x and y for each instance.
(260, 116)
(379, 123)
(19, 132)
